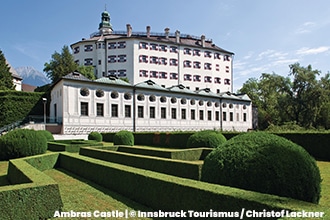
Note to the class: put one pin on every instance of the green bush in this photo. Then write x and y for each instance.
(22, 143)
(49, 136)
(95, 136)
(124, 138)
(206, 138)
(266, 163)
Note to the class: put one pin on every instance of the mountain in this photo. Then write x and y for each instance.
(32, 76)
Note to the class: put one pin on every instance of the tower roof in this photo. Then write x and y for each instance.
(105, 25)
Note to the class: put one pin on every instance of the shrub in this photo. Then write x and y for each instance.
(49, 136)
(124, 138)
(266, 163)
(95, 136)
(206, 138)
(21, 143)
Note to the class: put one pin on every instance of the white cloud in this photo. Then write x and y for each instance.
(311, 51)
(305, 27)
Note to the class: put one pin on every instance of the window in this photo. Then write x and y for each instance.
(152, 112)
(226, 58)
(217, 56)
(207, 66)
(173, 62)
(121, 58)
(173, 49)
(183, 113)
(84, 108)
(217, 67)
(227, 69)
(153, 47)
(88, 62)
(187, 51)
(153, 74)
(112, 72)
(112, 45)
(163, 48)
(187, 77)
(197, 65)
(76, 50)
(209, 115)
(224, 116)
(163, 112)
(187, 63)
(217, 118)
(140, 111)
(208, 79)
(173, 76)
(153, 59)
(121, 73)
(143, 73)
(162, 75)
(197, 78)
(217, 80)
(231, 116)
(143, 59)
(173, 113)
(112, 59)
(127, 111)
(114, 110)
(122, 44)
(218, 91)
(143, 45)
(227, 81)
(201, 115)
(88, 48)
(99, 109)
(207, 54)
(197, 52)
(192, 114)
(162, 61)
(100, 62)
(244, 116)
(100, 46)
(163, 99)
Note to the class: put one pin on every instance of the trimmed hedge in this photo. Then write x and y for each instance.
(169, 193)
(123, 138)
(94, 135)
(22, 143)
(206, 138)
(30, 197)
(49, 136)
(185, 169)
(17, 105)
(265, 163)
(71, 145)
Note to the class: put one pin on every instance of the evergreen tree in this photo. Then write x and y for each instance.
(60, 65)
(6, 79)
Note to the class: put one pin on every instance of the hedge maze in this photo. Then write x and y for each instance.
(162, 179)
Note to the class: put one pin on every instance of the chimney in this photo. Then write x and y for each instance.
(203, 40)
(177, 36)
(148, 31)
(167, 32)
(129, 30)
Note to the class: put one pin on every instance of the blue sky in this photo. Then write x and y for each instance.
(266, 36)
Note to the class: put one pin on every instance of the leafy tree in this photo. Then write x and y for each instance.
(60, 65)
(6, 79)
(87, 71)
(302, 100)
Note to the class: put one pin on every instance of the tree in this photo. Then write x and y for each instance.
(6, 79)
(60, 65)
(87, 71)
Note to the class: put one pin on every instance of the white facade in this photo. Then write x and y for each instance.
(165, 58)
(109, 105)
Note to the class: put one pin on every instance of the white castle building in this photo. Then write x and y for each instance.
(165, 58)
(176, 83)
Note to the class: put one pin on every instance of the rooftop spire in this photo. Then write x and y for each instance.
(105, 26)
